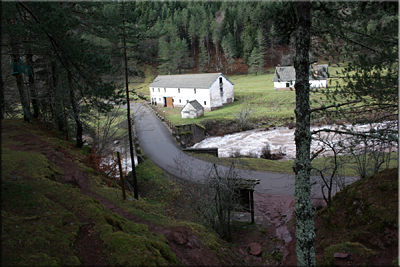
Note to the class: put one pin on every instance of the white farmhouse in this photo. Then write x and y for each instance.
(285, 77)
(211, 90)
(192, 110)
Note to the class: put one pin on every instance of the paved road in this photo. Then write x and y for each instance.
(158, 144)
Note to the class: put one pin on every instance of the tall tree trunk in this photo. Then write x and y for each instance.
(2, 103)
(32, 87)
(216, 55)
(304, 208)
(194, 47)
(208, 48)
(79, 128)
(23, 94)
(128, 109)
(18, 77)
(58, 100)
(59, 110)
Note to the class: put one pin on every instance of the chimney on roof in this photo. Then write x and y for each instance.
(315, 69)
(279, 68)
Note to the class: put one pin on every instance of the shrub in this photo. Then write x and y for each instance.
(266, 152)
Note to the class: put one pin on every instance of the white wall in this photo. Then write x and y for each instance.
(202, 95)
(188, 94)
(154, 93)
(216, 99)
(181, 96)
(190, 112)
(313, 83)
(282, 85)
(318, 83)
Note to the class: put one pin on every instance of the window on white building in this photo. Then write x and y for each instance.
(165, 90)
(205, 103)
(194, 90)
(179, 90)
(159, 99)
(287, 85)
(153, 89)
(179, 101)
(158, 89)
(187, 101)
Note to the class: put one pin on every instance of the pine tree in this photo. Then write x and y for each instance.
(59, 28)
(181, 55)
(228, 45)
(256, 61)
(201, 64)
(304, 208)
(165, 57)
(364, 35)
(193, 32)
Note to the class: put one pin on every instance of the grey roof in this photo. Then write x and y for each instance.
(197, 106)
(288, 73)
(187, 80)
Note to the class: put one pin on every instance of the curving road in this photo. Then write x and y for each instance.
(158, 144)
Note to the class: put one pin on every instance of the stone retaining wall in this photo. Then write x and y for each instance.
(212, 150)
(191, 134)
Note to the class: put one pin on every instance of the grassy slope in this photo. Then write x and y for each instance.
(273, 107)
(41, 217)
(259, 164)
(363, 220)
(257, 91)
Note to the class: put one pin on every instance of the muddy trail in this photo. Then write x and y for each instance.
(272, 214)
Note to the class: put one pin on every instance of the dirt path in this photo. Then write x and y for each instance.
(89, 248)
(273, 213)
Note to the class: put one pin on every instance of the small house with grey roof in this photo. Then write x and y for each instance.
(285, 77)
(211, 90)
(192, 110)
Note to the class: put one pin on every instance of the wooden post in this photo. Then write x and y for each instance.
(252, 206)
(121, 176)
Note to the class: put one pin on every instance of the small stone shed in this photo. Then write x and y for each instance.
(192, 110)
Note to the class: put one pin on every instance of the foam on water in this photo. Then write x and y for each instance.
(278, 139)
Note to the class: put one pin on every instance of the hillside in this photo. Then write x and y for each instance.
(360, 227)
(362, 222)
(58, 211)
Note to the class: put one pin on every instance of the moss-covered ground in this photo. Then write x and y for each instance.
(43, 219)
(362, 221)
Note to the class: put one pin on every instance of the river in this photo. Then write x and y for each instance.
(279, 139)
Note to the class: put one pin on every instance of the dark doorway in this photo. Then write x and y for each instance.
(168, 102)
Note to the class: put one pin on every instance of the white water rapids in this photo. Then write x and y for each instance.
(279, 139)
(247, 142)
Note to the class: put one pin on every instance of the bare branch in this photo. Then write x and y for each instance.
(335, 105)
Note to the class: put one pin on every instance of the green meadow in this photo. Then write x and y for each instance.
(254, 92)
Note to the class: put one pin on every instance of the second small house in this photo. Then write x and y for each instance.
(192, 110)
(211, 90)
(285, 77)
